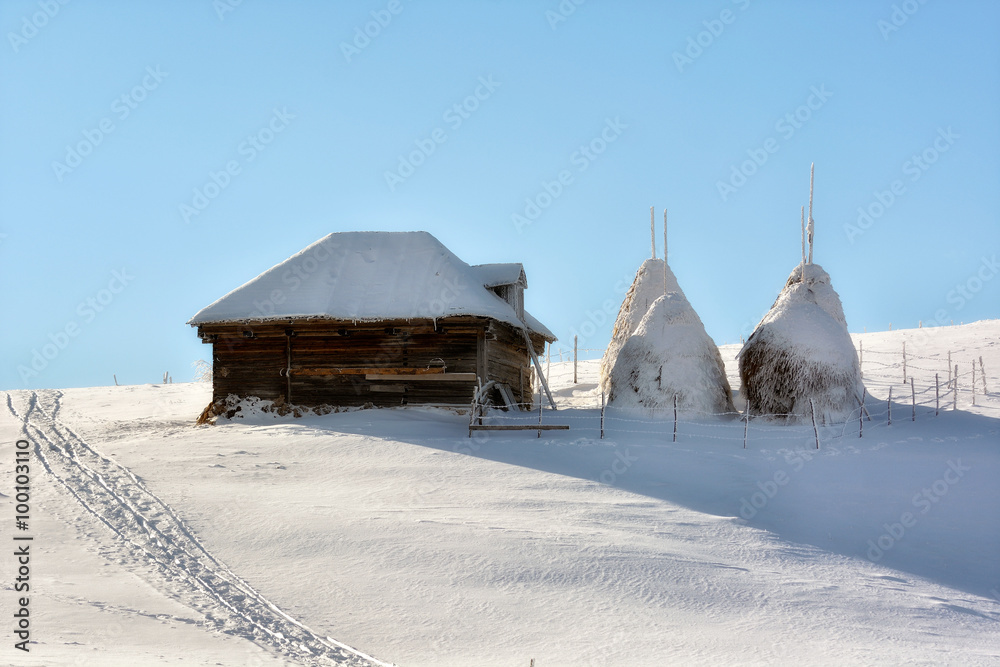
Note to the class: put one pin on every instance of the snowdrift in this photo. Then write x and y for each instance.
(647, 287)
(670, 353)
(800, 351)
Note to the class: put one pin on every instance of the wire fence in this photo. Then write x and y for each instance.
(934, 385)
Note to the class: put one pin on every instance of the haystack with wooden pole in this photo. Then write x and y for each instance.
(801, 353)
(667, 354)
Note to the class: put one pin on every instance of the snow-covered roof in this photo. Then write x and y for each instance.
(493, 275)
(372, 276)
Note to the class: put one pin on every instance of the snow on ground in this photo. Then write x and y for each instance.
(393, 532)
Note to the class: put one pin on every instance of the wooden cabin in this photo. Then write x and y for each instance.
(387, 318)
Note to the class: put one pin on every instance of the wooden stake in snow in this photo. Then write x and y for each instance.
(888, 404)
(803, 223)
(954, 398)
(812, 410)
(574, 359)
(664, 251)
(539, 413)
(652, 232)
(746, 424)
(982, 371)
(861, 413)
(602, 415)
(675, 417)
(913, 398)
(812, 223)
(116, 377)
(973, 382)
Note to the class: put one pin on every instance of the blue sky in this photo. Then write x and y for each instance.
(116, 118)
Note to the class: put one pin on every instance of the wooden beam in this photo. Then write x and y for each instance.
(519, 427)
(440, 377)
(436, 370)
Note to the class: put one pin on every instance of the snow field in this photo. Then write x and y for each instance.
(393, 532)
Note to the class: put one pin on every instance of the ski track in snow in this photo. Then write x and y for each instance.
(150, 532)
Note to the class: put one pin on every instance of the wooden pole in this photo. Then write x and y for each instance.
(539, 412)
(664, 235)
(574, 359)
(602, 415)
(812, 410)
(812, 223)
(889, 405)
(954, 397)
(675, 417)
(973, 382)
(802, 221)
(116, 377)
(652, 232)
(861, 413)
(982, 372)
(913, 398)
(746, 424)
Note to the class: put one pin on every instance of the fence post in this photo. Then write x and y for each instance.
(574, 359)
(861, 412)
(982, 371)
(913, 397)
(675, 417)
(973, 382)
(954, 397)
(746, 424)
(937, 395)
(602, 415)
(539, 413)
(889, 405)
(812, 410)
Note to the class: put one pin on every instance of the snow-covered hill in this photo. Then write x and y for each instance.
(273, 541)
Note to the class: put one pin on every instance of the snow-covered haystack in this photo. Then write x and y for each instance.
(649, 285)
(670, 353)
(800, 351)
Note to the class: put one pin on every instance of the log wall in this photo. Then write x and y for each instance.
(386, 364)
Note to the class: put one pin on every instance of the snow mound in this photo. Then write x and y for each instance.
(670, 353)
(800, 351)
(647, 287)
